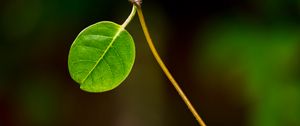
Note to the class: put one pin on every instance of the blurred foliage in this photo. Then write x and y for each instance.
(266, 57)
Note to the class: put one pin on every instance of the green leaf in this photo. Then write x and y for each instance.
(101, 57)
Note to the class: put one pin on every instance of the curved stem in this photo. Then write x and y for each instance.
(165, 69)
(130, 17)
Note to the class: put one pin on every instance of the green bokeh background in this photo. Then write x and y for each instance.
(237, 60)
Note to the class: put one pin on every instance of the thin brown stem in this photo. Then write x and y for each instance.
(164, 68)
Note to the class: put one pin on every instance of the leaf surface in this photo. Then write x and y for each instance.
(101, 57)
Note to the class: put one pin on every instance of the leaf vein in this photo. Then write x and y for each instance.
(105, 51)
(87, 46)
(120, 58)
(109, 67)
(74, 62)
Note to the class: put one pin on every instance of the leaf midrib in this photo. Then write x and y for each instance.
(103, 54)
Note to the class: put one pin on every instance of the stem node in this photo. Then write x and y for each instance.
(136, 2)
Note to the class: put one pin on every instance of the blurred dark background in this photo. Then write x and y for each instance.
(237, 60)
